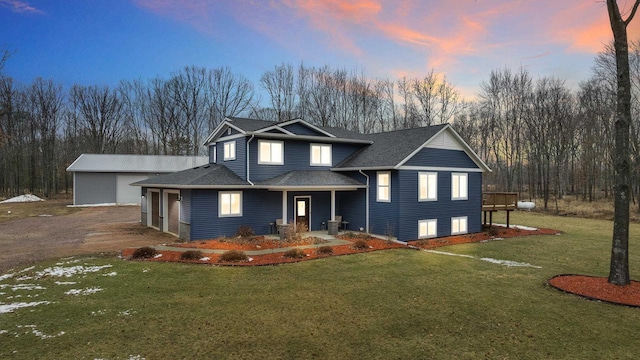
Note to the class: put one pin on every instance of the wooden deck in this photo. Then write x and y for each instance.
(498, 201)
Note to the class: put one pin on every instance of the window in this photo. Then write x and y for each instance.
(230, 150)
(384, 186)
(459, 186)
(427, 228)
(427, 186)
(320, 155)
(270, 152)
(230, 203)
(459, 225)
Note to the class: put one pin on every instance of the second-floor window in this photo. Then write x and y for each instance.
(270, 152)
(459, 186)
(230, 150)
(320, 155)
(427, 186)
(384, 186)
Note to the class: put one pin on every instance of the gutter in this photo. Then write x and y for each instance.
(366, 201)
(249, 181)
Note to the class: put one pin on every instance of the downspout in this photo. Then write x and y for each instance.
(366, 201)
(249, 181)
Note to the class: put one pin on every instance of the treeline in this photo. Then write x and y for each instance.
(541, 138)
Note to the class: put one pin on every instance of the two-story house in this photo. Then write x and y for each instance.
(411, 184)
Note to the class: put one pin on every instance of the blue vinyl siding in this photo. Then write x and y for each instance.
(259, 208)
(383, 216)
(297, 156)
(300, 129)
(411, 210)
(238, 165)
(351, 205)
(185, 206)
(441, 158)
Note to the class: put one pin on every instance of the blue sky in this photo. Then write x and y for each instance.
(102, 42)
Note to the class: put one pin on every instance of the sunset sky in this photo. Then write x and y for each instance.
(103, 42)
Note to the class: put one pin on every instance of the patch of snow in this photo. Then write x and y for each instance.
(65, 282)
(521, 227)
(39, 333)
(128, 312)
(59, 271)
(87, 291)
(206, 258)
(27, 269)
(493, 261)
(45, 215)
(6, 276)
(113, 273)
(7, 308)
(136, 357)
(19, 287)
(509, 263)
(99, 312)
(157, 256)
(250, 259)
(3, 332)
(21, 199)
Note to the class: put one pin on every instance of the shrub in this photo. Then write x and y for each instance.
(294, 254)
(144, 253)
(191, 255)
(493, 231)
(245, 231)
(325, 250)
(360, 244)
(233, 256)
(294, 233)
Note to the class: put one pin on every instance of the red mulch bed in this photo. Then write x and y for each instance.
(252, 243)
(372, 243)
(597, 288)
(495, 232)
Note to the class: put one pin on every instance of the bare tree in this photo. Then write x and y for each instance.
(231, 95)
(279, 84)
(619, 269)
(99, 113)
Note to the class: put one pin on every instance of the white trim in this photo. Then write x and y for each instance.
(466, 194)
(388, 186)
(271, 161)
(290, 122)
(150, 207)
(75, 182)
(228, 157)
(214, 133)
(230, 137)
(311, 145)
(427, 221)
(274, 127)
(310, 188)
(428, 184)
(437, 168)
(310, 138)
(466, 225)
(165, 210)
(268, 187)
(370, 168)
(231, 214)
(295, 210)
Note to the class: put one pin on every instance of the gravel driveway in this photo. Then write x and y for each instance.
(91, 230)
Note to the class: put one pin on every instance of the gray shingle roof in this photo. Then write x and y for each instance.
(134, 163)
(207, 176)
(311, 178)
(390, 148)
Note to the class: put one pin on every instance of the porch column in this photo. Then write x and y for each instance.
(333, 224)
(333, 205)
(284, 207)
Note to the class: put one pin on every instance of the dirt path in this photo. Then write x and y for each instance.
(91, 230)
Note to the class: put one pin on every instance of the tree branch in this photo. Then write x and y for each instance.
(633, 12)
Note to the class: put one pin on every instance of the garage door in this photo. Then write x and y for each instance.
(126, 194)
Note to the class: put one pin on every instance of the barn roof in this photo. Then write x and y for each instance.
(115, 163)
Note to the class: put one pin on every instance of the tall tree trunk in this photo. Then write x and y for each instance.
(619, 268)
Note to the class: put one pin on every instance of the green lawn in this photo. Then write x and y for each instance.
(394, 304)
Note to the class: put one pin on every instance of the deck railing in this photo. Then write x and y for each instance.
(499, 201)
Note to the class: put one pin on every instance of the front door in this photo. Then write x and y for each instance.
(302, 212)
